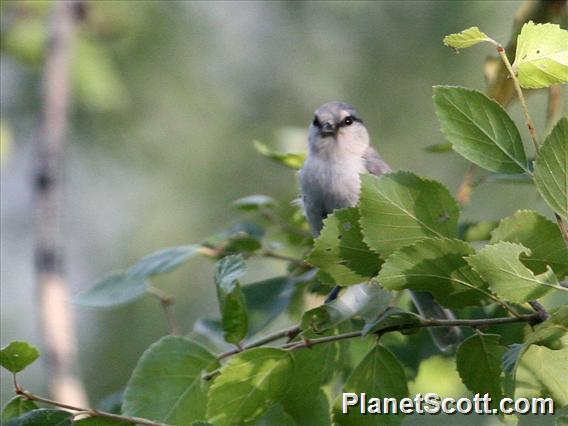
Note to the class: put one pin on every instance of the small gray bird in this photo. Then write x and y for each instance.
(339, 151)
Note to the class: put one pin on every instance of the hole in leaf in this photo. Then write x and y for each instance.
(347, 226)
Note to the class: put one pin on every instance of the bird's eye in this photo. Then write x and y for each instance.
(348, 121)
(316, 122)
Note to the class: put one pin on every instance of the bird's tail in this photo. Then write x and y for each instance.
(445, 338)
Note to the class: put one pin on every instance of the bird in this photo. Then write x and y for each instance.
(339, 151)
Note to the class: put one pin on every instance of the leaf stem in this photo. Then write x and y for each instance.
(167, 303)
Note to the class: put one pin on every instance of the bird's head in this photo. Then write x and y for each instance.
(337, 127)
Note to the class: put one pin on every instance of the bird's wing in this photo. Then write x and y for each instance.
(374, 163)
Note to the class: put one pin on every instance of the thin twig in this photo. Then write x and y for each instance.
(272, 255)
(88, 411)
(167, 303)
(529, 122)
(517, 85)
(424, 323)
(287, 332)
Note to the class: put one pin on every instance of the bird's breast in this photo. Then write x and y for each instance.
(337, 181)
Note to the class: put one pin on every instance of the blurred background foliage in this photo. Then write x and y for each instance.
(168, 97)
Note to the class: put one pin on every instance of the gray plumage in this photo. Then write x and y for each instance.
(339, 152)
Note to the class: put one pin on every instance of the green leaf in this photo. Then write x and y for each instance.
(248, 384)
(269, 298)
(166, 384)
(552, 333)
(340, 251)
(275, 416)
(16, 407)
(436, 266)
(242, 237)
(42, 417)
(466, 38)
(254, 202)
(162, 261)
(398, 209)
(242, 229)
(479, 364)
(379, 374)
(480, 129)
(231, 298)
(312, 410)
(116, 289)
(292, 160)
(480, 231)
(312, 368)
(541, 59)
(542, 372)
(499, 265)
(364, 300)
(17, 356)
(538, 234)
(551, 169)
(392, 317)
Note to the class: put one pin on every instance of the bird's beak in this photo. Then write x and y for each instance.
(327, 129)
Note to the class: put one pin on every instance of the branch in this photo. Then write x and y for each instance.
(56, 317)
(167, 303)
(287, 332)
(91, 412)
(424, 323)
